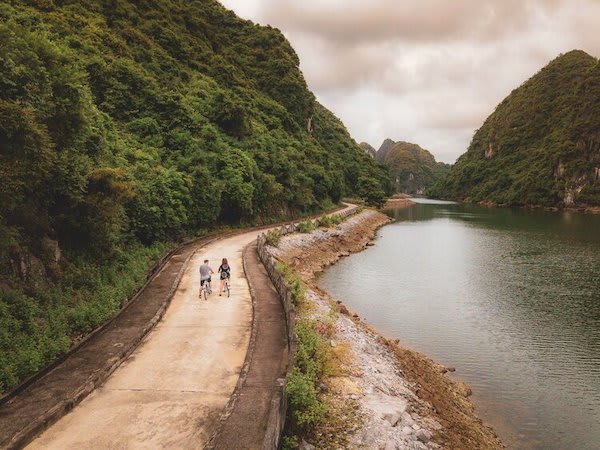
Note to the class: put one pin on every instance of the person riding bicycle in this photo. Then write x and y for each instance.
(225, 271)
(205, 272)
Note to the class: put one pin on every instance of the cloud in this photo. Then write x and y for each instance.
(430, 71)
(354, 21)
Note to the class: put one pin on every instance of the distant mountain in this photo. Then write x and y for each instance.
(541, 146)
(413, 168)
(386, 146)
(368, 149)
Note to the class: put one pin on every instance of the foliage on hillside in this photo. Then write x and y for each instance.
(541, 146)
(414, 169)
(127, 124)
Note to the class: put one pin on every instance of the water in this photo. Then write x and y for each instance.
(511, 298)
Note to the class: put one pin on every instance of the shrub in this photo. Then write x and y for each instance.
(306, 409)
(294, 282)
(273, 237)
(330, 221)
(311, 355)
(306, 227)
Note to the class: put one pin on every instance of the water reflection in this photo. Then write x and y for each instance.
(509, 297)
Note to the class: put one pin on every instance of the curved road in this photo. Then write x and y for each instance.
(171, 391)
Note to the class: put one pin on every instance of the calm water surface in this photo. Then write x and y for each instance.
(511, 298)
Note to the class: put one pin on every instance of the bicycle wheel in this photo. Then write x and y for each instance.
(227, 288)
(205, 292)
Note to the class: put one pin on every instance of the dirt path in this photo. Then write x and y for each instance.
(172, 389)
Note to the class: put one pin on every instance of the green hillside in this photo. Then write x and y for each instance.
(413, 169)
(128, 125)
(541, 146)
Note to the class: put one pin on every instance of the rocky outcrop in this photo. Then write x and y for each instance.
(384, 149)
(368, 149)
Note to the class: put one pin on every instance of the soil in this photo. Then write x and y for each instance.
(406, 399)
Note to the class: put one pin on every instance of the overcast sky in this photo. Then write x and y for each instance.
(424, 71)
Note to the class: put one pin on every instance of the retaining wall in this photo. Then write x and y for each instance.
(278, 412)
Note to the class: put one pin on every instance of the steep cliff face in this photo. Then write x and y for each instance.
(541, 146)
(384, 149)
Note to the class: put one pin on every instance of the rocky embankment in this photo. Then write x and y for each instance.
(400, 398)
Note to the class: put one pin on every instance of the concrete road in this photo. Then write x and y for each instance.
(171, 391)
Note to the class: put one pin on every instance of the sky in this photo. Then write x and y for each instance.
(424, 71)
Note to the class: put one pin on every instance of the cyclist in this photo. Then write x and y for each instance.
(225, 271)
(205, 275)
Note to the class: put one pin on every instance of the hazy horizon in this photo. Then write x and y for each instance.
(394, 70)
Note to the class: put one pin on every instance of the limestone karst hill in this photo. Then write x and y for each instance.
(541, 145)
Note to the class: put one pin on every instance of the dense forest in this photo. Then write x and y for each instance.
(126, 126)
(413, 170)
(541, 146)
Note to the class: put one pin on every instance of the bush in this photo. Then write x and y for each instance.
(306, 409)
(311, 355)
(330, 221)
(294, 282)
(273, 237)
(306, 227)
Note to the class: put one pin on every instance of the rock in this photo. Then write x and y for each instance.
(407, 419)
(387, 407)
(423, 436)
(323, 387)
(392, 418)
(51, 246)
(343, 310)
(370, 244)
(390, 445)
(305, 446)
(464, 389)
(407, 431)
(451, 369)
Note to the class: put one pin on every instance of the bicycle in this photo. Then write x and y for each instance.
(205, 290)
(226, 287)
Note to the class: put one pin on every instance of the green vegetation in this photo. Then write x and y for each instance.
(125, 125)
(330, 221)
(306, 226)
(313, 353)
(39, 324)
(541, 144)
(302, 388)
(273, 237)
(295, 283)
(413, 169)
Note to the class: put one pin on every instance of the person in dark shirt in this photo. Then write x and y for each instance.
(225, 271)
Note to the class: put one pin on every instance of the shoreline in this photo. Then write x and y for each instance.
(404, 397)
